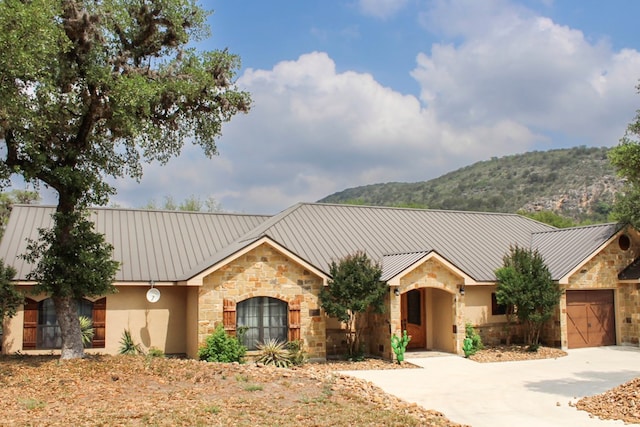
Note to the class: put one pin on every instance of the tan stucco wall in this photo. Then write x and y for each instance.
(161, 325)
(264, 271)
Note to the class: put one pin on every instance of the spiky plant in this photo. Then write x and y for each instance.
(274, 352)
(127, 346)
(86, 328)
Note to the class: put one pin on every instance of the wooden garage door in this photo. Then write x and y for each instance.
(590, 318)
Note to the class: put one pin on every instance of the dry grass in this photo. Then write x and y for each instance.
(135, 390)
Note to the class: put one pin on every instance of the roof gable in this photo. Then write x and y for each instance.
(566, 249)
(472, 241)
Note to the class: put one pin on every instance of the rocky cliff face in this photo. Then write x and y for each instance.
(576, 203)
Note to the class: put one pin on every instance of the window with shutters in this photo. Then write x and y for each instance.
(262, 318)
(41, 329)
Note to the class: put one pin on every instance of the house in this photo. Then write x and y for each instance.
(264, 274)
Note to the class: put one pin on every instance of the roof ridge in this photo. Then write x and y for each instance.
(408, 209)
(128, 209)
(579, 227)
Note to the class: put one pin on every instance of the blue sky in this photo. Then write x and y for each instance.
(356, 92)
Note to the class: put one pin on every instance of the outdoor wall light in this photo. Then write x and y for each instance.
(461, 289)
(153, 294)
(396, 292)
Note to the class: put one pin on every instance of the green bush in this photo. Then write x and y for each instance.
(87, 331)
(221, 347)
(472, 342)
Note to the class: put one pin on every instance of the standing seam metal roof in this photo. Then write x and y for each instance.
(175, 245)
(150, 245)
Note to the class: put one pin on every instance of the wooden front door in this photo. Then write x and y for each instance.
(590, 318)
(413, 317)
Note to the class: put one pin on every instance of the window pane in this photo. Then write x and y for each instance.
(265, 318)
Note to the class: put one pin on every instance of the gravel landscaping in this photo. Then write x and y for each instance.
(137, 390)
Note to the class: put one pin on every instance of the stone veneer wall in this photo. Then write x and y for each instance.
(432, 274)
(601, 272)
(265, 271)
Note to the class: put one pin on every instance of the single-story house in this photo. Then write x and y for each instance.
(264, 274)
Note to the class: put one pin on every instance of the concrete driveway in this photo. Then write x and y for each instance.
(529, 393)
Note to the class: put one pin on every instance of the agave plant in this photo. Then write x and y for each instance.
(86, 328)
(274, 352)
(127, 346)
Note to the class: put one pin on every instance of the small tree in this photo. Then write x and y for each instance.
(10, 297)
(525, 282)
(355, 288)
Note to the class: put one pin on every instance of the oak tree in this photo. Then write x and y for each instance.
(91, 90)
(625, 157)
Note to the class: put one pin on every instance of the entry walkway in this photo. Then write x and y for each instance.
(532, 393)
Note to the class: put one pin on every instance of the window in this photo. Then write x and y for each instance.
(264, 318)
(41, 329)
(498, 309)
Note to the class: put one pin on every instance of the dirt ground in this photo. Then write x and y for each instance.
(138, 390)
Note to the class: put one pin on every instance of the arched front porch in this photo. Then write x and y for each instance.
(429, 317)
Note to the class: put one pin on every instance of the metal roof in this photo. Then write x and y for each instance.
(320, 233)
(632, 272)
(149, 244)
(394, 264)
(565, 249)
(177, 245)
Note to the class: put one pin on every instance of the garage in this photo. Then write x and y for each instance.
(590, 318)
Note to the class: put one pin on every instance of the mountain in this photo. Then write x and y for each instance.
(578, 183)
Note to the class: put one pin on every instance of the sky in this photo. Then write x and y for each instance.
(356, 92)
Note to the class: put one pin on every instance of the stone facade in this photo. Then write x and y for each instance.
(265, 272)
(601, 272)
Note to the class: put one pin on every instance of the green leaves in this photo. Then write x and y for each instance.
(354, 288)
(10, 297)
(525, 282)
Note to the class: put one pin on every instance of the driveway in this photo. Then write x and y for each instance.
(528, 393)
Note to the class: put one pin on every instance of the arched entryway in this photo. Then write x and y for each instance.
(427, 314)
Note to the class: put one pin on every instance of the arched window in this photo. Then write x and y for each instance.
(264, 318)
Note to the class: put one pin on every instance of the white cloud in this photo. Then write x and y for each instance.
(503, 80)
(512, 65)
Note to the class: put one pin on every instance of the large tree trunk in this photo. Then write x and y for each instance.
(67, 313)
(67, 306)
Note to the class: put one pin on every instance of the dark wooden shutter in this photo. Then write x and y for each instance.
(229, 317)
(99, 315)
(30, 327)
(294, 321)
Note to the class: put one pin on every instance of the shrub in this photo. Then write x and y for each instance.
(273, 352)
(399, 345)
(127, 346)
(86, 329)
(297, 355)
(221, 347)
(472, 342)
(155, 352)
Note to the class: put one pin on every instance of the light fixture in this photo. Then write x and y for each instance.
(153, 294)
(396, 292)
(461, 289)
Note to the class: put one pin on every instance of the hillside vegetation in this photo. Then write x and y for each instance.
(577, 183)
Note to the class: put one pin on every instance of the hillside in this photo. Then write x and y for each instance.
(578, 183)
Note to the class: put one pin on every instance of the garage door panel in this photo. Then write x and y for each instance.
(590, 318)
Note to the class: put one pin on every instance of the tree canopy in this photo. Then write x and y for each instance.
(354, 288)
(625, 157)
(525, 282)
(90, 90)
